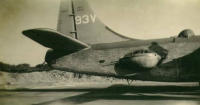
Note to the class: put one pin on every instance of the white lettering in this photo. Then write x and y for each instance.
(85, 19)
(93, 17)
(78, 19)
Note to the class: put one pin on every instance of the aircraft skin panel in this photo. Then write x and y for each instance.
(104, 62)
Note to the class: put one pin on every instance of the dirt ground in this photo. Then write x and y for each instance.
(63, 88)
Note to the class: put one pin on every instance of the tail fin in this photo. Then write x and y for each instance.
(77, 19)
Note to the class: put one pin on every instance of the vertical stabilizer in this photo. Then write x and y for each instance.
(78, 20)
(66, 18)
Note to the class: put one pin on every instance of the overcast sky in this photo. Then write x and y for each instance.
(142, 19)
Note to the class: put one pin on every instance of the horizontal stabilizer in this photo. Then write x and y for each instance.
(55, 40)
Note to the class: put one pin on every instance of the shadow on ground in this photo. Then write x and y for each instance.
(122, 92)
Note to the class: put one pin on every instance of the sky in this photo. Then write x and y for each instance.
(141, 19)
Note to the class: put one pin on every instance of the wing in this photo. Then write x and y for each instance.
(55, 40)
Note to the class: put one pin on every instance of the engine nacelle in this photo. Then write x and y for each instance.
(141, 58)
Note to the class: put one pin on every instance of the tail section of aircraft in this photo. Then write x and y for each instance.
(66, 23)
(77, 19)
(78, 27)
(58, 43)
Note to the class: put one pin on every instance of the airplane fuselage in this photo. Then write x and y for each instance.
(181, 63)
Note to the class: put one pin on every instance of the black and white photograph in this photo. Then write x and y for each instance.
(100, 52)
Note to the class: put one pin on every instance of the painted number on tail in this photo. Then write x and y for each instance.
(85, 19)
